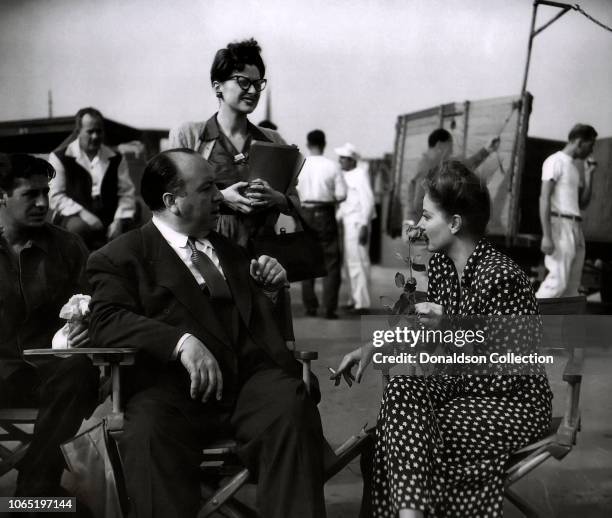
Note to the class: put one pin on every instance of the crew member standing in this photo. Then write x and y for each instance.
(565, 191)
(321, 187)
(355, 213)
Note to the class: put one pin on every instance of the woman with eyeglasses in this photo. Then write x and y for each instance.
(442, 441)
(249, 209)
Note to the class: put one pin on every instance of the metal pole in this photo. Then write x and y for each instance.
(529, 46)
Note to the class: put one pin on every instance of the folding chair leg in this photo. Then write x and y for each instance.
(520, 504)
(224, 494)
(10, 458)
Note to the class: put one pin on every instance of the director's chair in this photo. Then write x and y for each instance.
(564, 429)
(222, 473)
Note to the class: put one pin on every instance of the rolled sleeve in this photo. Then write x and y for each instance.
(58, 200)
(126, 206)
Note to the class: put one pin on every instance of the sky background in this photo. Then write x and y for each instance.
(349, 67)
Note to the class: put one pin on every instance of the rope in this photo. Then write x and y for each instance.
(515, 106)
(582, 12)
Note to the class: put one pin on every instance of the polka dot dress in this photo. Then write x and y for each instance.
(442, 442)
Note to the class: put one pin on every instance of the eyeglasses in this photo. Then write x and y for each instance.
(245, 83)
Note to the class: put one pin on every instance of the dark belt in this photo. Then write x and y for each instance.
(566, 216)
(324, 205)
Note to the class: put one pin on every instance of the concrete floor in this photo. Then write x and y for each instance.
(579, 486)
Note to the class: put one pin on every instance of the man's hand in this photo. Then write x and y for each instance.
(91, 219)
(78, 334)
(268, 272)
(429, 314)
(361, 356)
(363, 235)
(203, 369)
(492, 145)
(114, 229)
(590, 164)
(235, 200)
(547, 246)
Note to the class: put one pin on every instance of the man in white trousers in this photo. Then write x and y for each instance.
(565, 192)
(355, 214)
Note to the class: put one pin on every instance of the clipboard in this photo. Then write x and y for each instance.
(277, 164)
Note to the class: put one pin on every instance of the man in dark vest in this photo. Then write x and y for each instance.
(92, 193)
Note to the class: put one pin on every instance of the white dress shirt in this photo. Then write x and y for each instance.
(178, 243)
(97, 168)
(321, 180)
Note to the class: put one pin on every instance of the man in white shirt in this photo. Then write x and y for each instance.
(565, 192)
(355, 213)
(92, 193)
(321, 187)
(211, 356)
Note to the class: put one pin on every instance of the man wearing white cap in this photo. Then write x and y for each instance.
(355, 214)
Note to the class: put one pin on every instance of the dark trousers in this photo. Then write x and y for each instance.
(323, 221)
(274, 420)
(65, 392)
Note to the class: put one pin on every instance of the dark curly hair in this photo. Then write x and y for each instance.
(20, 165)
(457, 190)
(235, 57)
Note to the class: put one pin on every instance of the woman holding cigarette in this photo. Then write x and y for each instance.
(442, 442)
(249, 209)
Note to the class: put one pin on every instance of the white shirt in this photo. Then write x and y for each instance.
(560, 168)
(178, 243)
(359, 204)
(97, 168)
(321, 180)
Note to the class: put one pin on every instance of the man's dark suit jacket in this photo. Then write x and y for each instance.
(145, 297)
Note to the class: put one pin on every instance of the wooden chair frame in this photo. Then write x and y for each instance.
(218, 459)
(564, 429)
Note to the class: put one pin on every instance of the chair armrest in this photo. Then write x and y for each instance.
(306, 355)
(101, 356)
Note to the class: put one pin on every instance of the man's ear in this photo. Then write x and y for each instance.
(169, 200)
(456, 223)
(3, 198)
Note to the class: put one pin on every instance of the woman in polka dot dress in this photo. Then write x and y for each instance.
(442, 442)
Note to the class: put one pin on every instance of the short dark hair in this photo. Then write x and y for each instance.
(457, 190)
(438, 135)
(20, 165)
(583, 132)
(316, 138)
(161, 176)
(92, 112)
(236, 56)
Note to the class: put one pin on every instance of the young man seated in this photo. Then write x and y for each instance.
(41, 266)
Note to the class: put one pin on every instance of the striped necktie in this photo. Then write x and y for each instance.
(212, 276)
